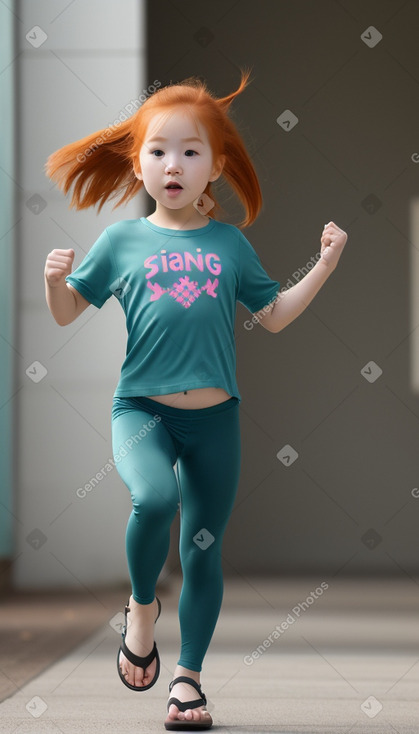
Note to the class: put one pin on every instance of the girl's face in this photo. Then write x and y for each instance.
(179, 151)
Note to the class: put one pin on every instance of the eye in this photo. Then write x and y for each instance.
(190, 151)
(156, 151)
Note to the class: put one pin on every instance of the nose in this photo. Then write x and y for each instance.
(173, 166)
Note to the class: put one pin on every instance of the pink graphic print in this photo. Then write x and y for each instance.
(184, 290)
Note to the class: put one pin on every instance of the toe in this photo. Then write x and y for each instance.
(136, 676)
(195, 714)
(132, 674)
(203, 715)
(175, 713)
(123, 668)
(140, 679)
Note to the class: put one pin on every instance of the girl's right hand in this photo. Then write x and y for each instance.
(58, 265)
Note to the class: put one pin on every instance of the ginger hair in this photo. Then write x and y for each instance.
(103, 165)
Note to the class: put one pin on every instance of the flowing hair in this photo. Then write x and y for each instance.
(103, 165)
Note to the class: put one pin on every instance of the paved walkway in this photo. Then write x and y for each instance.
(346, 660)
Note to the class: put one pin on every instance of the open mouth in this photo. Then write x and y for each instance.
(173, 186)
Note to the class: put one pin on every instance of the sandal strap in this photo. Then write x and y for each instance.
(139, 662)
(194, 684)
(184, 705)
(128, 609)
(136, 659)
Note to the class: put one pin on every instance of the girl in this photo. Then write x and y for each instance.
(178, 275)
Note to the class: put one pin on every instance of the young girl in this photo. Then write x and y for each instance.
(178, 275)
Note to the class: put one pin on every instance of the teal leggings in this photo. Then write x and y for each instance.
(148, 439)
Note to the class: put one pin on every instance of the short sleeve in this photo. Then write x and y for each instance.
(256, 288)
(96, 273)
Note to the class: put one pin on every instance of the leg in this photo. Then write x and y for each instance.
(208, 471)
(208, 477)
(144, 459)
(146, 467)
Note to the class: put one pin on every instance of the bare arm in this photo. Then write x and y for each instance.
(292, 302)
(64, 301)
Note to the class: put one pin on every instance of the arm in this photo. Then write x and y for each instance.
(64, 301)
(295, 300)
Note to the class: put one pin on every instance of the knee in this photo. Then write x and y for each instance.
(200, 558)
(149, 507)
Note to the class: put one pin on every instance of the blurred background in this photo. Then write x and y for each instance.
(330, 119)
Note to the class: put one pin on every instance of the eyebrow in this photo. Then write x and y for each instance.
(183, 140)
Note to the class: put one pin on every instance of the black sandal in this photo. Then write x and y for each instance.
(174, 725)
(136, 660)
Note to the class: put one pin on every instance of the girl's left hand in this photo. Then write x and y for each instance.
(333, 241)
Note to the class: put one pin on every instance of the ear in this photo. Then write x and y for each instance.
(217, 168)
(138, 174)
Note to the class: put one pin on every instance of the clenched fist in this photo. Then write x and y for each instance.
(333, 241)
(58, 265)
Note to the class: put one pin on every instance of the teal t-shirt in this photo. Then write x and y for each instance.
(178, 289)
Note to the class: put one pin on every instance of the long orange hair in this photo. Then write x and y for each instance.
(102, 165)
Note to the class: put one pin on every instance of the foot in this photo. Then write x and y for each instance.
(139, 638)
(186, 692)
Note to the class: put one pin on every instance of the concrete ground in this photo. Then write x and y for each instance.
(287, 656)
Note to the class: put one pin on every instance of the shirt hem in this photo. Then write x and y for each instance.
(166, 389)
(254, 309)
(83, 291)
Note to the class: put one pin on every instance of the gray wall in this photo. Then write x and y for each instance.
(347, 504)
(7, 290)
(80, 79)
